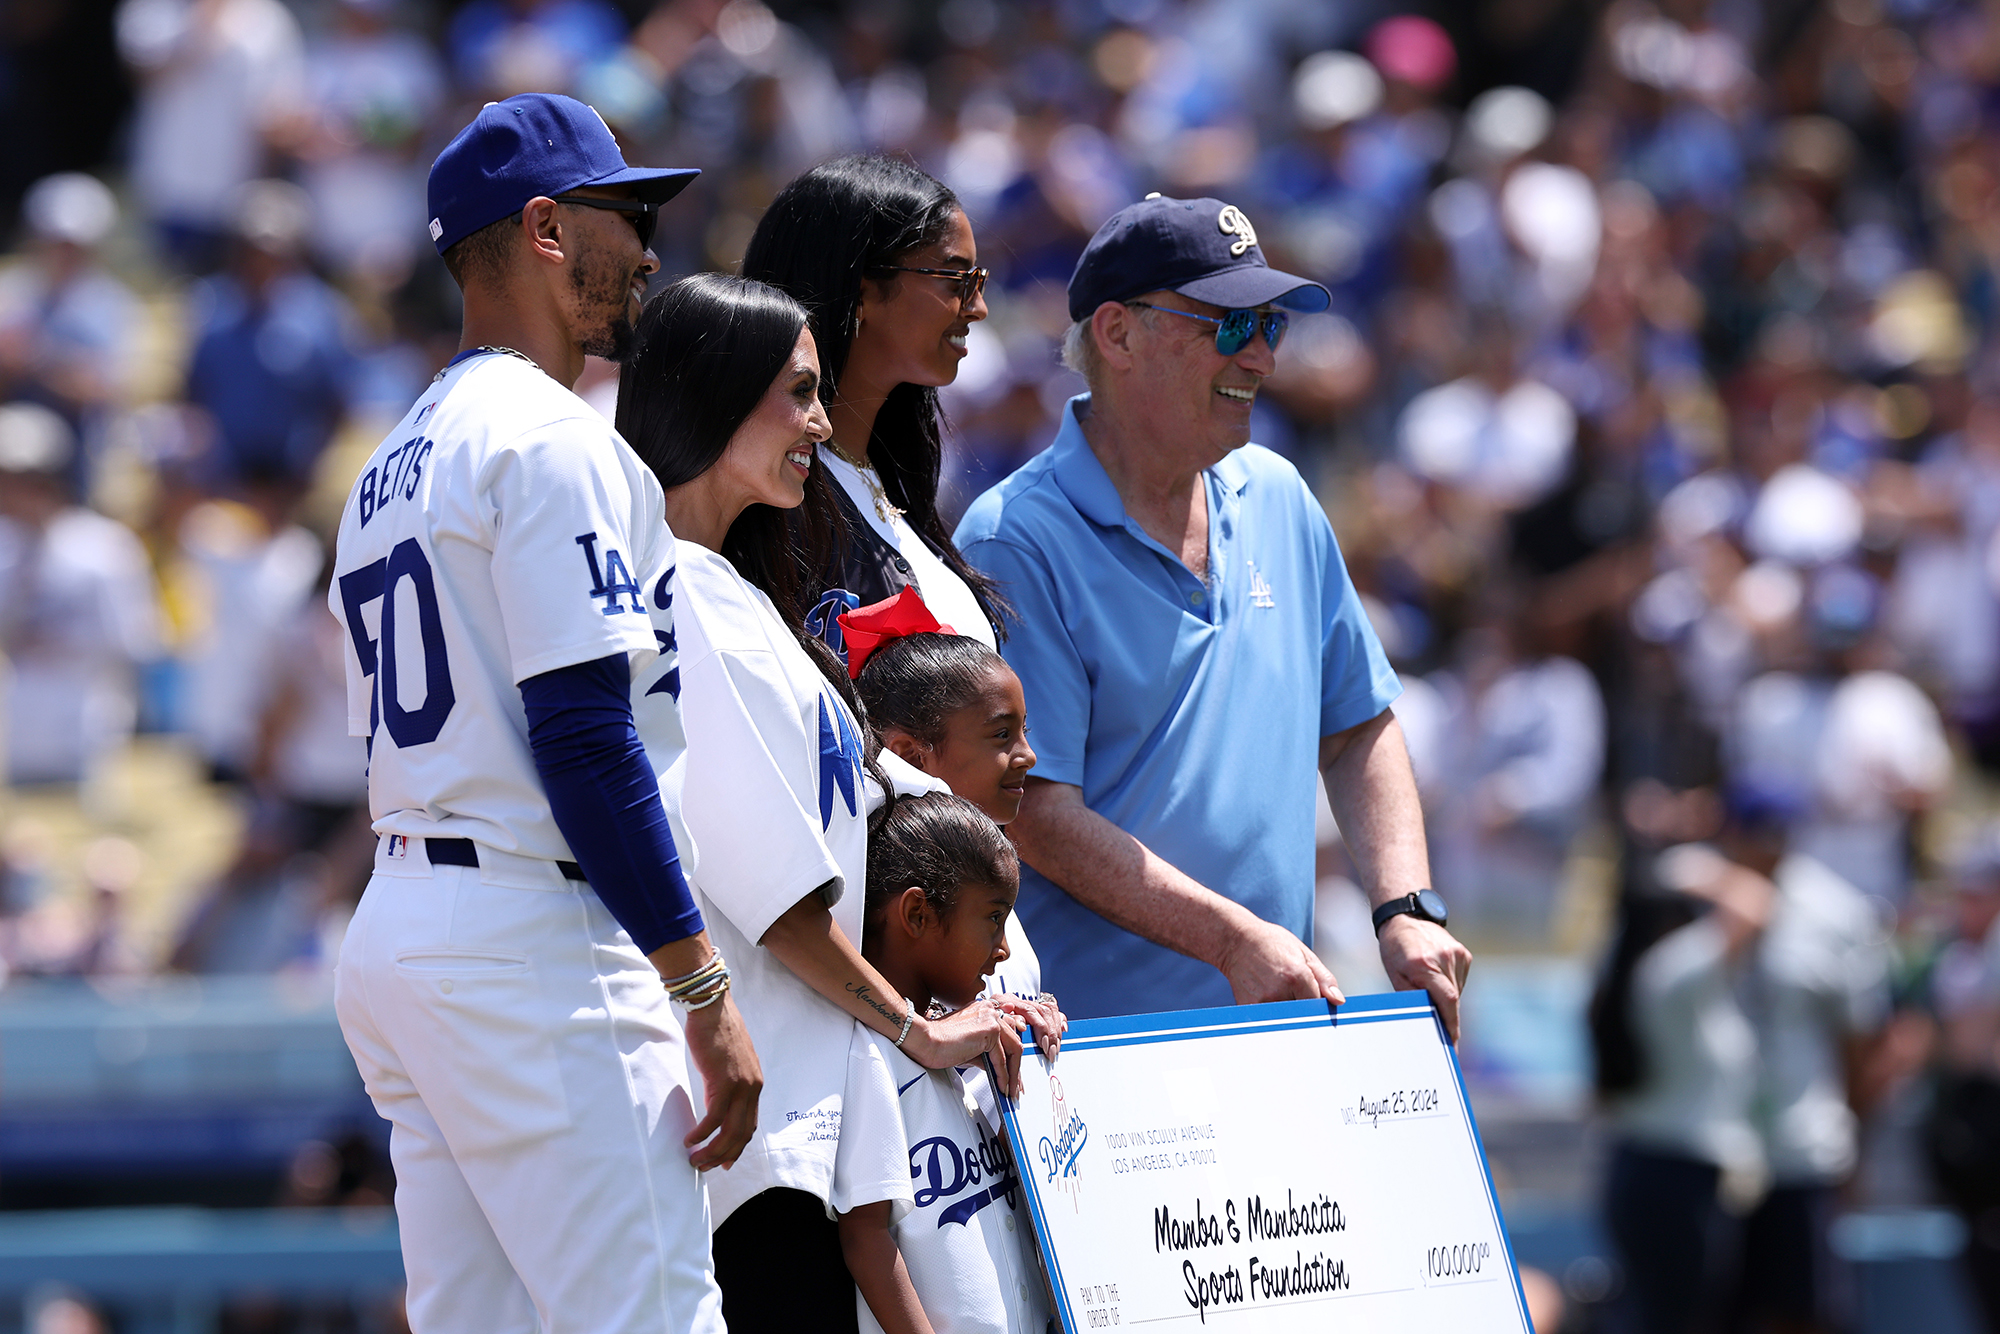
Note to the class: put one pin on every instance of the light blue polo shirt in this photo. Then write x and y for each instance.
(1190, 714)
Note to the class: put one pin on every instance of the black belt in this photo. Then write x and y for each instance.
(464, 852)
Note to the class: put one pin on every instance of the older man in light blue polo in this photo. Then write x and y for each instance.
(1192, 651)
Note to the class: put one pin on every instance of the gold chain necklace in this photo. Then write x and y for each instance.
(883, 509)
(494, 347)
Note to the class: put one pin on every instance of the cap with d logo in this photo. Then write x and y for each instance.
(1202, 248)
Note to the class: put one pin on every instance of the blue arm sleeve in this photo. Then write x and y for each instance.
(606, 798)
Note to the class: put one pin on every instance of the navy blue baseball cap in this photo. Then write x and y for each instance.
(1201, 248)
(533, 144)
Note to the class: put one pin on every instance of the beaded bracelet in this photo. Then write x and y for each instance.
(704, 986)
(721, 990)
(714, 956)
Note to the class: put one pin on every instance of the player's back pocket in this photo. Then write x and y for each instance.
(477, 1034)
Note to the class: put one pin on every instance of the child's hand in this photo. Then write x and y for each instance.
(1042, 1015)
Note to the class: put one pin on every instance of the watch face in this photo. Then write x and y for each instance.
(1432, 905)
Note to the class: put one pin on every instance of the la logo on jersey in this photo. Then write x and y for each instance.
(613, 580)
(1260, 591)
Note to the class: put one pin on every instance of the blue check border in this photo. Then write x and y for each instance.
(1194, 1025)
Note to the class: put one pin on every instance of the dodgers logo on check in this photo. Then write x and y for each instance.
(1264, 1167)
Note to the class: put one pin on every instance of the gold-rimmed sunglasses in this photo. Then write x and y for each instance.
(971, 282)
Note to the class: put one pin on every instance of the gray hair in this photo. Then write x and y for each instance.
(1080, 352)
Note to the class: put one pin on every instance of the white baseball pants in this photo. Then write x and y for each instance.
(536, 1082)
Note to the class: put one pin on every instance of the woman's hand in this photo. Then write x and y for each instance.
(1042, 1014)
(962, 1036)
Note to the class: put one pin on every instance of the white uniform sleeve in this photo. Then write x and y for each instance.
(565, 561)
(750, 798)
(872, 1161)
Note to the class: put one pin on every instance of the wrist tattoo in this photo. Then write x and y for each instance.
(866, 995)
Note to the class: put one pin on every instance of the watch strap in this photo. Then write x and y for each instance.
(1410, 904)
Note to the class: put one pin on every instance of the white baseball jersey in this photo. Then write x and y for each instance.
(957, 1209)
(502, 530)
(778, 800)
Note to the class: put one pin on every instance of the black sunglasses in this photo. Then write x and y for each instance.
(1234, 331)
(971, 282)
(643, 216)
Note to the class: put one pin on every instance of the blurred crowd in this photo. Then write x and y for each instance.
(1658, 414)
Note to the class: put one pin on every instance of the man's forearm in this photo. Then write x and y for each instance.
(1373, 794)
(1119, 878)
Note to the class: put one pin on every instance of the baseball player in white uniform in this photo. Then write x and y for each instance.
(503, 575)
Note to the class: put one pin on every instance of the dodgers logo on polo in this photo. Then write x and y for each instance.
(1260, 589)
(1231, 222)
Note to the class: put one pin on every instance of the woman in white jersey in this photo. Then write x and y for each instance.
(884, 258)
(721, 401)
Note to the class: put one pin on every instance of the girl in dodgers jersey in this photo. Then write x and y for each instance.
(949, 705)
(932, 1218)
(721, 403)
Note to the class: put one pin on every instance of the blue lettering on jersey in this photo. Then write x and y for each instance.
(823, 621)
(394, 478)
(839, 762)
(946, 1168)
(612, 581)
(670, 683)
(663, 598)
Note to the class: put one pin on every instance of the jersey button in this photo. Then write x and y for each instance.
(1009, 1220)
(1197, 597)
(445, 986)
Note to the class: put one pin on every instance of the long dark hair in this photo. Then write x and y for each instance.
(706, 351)
(826, 231)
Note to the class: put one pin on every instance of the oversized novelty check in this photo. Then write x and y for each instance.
(1267, 1167)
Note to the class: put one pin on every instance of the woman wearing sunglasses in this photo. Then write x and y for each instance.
(883, 257)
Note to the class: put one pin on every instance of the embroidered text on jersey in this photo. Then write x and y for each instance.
(395, 478)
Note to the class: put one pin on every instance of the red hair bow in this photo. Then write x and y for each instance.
(869, 628)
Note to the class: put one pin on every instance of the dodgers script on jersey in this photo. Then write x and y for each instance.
(502, 530)
(959, 1214)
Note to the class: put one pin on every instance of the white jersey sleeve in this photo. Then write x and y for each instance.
(501, 530)
(873, 1160)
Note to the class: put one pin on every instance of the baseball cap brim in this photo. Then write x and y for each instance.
(653, 185)
(1255, 285)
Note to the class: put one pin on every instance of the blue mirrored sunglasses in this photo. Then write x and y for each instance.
(1234, 330)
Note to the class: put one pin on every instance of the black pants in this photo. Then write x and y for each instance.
(1672, 1239)
(1788, 1270)
(778, 1263)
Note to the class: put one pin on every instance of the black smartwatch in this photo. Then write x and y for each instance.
(1425, 905)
